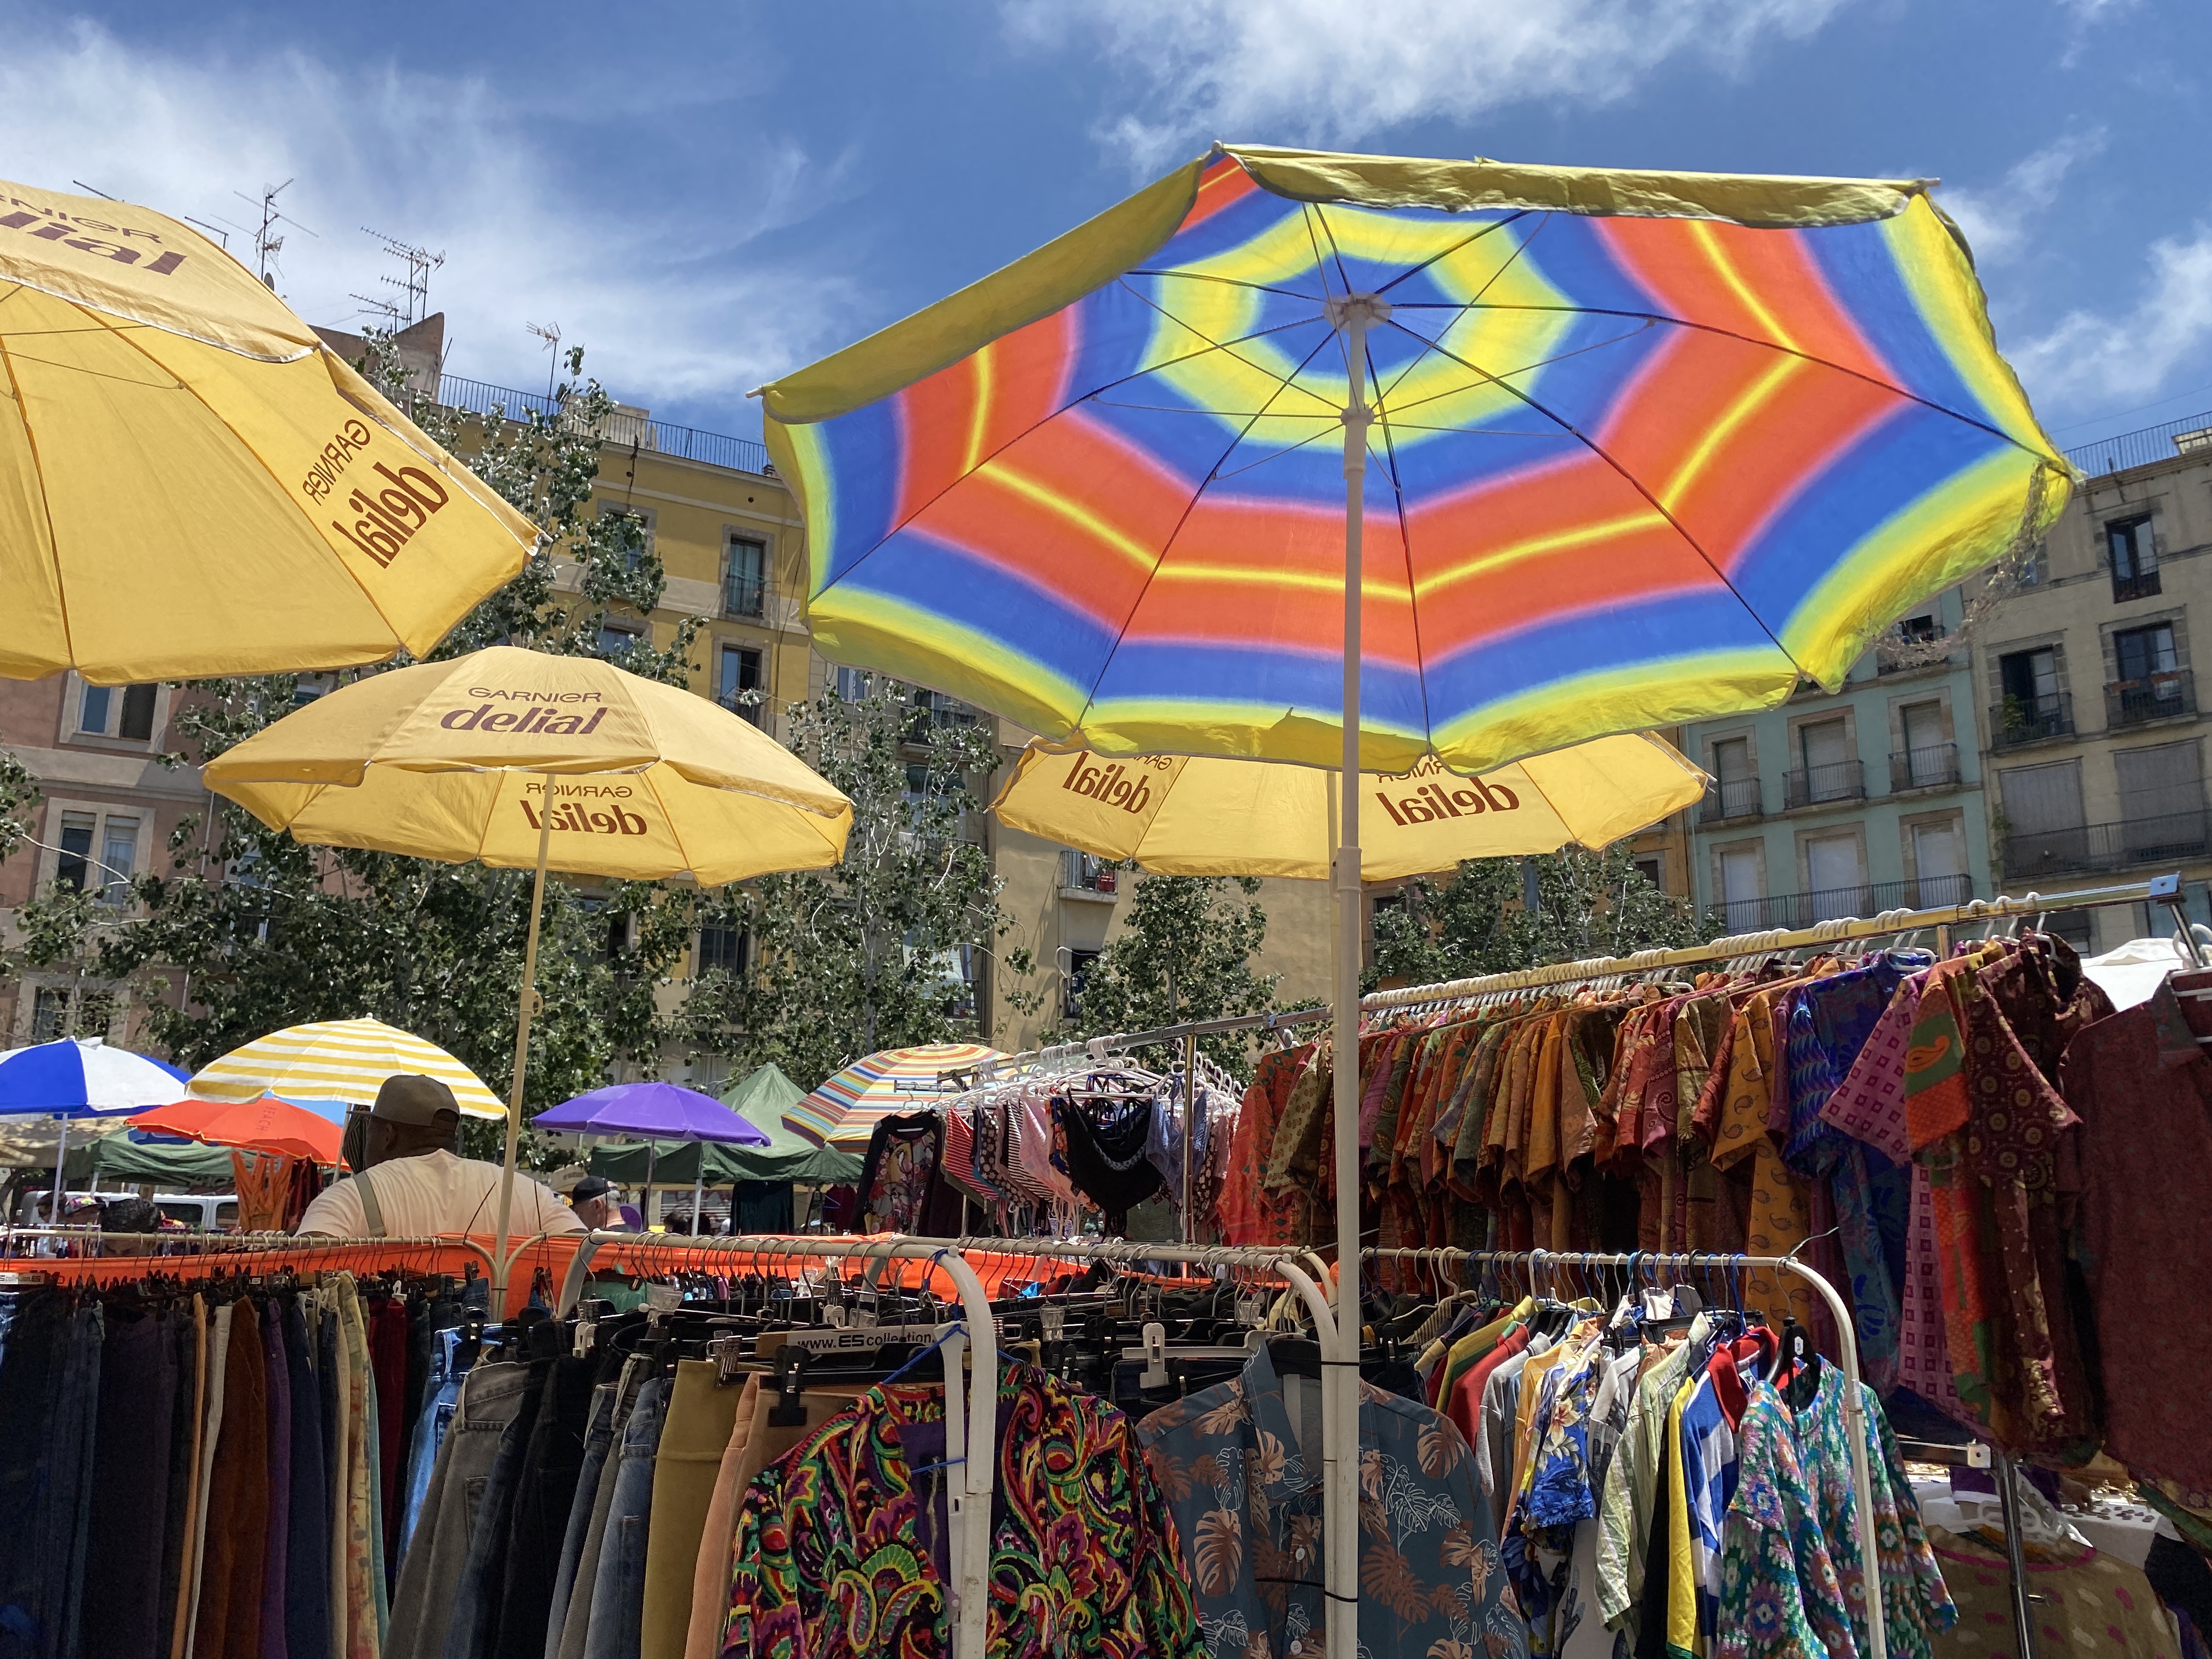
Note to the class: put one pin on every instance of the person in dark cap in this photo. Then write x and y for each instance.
(591, 1200)
(409, 1182)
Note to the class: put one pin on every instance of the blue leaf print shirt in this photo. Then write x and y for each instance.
(1240, 1466)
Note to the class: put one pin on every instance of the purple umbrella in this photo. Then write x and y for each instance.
(658, 1111)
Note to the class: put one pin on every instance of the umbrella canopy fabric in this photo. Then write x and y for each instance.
(1182, 815)
(345, 1059)
(845, 1110)
(662, 1111)
(761, 1099)
(1645, 449)
(264, 1125)
(82, 1076)
(449, 760)
(169, 1166)
(161, 395)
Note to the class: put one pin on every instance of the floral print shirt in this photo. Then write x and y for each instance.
(1793, 1582)
(839, 1546)
(1247, 1498)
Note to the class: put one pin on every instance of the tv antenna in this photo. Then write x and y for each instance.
(551, 333)
(412, 303)
(267, 244)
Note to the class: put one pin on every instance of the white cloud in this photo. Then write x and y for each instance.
(1326, 72)
(2093, 358)
(670, 305)
(1998, 220)
(2081, 16)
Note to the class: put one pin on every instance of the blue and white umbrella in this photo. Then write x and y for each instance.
(82, 1076)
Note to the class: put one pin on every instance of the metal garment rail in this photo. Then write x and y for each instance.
(2162, 889)
(252, 1249)
(680, 1252)
(1706, 1262)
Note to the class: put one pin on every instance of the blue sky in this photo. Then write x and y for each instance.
(706, 196)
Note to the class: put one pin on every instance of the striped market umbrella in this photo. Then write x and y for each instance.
(345, 1059)
(1640, 448)
(845, 1110)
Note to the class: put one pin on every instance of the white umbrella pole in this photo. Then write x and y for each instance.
(698, 1187)
(1354, 314)
(61, 1157)
(501, 1253)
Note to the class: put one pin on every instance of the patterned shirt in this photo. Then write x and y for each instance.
(1247, 1499)
(838, 1549)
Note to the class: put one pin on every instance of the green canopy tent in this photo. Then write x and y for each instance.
(169, 1167)
(761, 1099)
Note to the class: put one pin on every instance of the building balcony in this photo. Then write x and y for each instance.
(1867, 899)
(2153, 697)
(1728, 801)
(1935, 767)
(743, 596)
(2162, 839)
(2143, 586)
(1817, 785)
(1082, 876)
(2031, 719)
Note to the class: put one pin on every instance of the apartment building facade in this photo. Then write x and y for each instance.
(1848, 804)
(2086, 682)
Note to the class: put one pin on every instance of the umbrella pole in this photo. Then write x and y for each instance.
(645, 1200)
(1353, 315)
(61, 1157)
(698, 1190)
(501, 1255)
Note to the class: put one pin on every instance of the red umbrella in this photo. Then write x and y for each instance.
(266, 1125)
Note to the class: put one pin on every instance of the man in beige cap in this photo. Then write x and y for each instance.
(408, 1183)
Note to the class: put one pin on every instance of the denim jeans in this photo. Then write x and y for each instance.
(545, 1493)
(41, 1365)
(629, 1383)
(618, 1591)
(438, 1404)
(473, 1630)
(430, 1576)
(599, 1437)
(66, 1528)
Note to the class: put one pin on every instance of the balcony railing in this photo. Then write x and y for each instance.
(619, 426)
(2144, 585)
(1081, 872)
(1729, 799)
(743, 596)
(748, 705)
(1933, 765)
(1838, 781)
(2153, 697)
(2160, 839)
(2030, 719)
(2139, 448)
(1867, 899)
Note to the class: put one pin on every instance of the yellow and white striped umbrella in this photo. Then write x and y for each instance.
(343, 1059)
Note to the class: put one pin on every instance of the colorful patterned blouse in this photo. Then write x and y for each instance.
(840, 1549)
(1248, 1505)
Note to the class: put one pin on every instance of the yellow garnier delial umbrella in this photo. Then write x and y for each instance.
(1182, 815)
(192, 483)
(521, 760)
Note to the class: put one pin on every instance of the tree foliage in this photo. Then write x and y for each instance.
(1184, 952)
(257, 932)
(869, 954)
(1589, 904)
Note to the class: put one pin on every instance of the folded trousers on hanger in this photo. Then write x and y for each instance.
(307, 1574)
(137, 1392)
(472, 1630)
(577, 1621)
(598, 1436)
(545, 1492)
(430, 1576)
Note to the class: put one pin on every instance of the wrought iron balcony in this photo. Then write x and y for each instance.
(1729, 800)
(2031, 719)
(1816, 784)
(743, 595)
(2142, 587)
(1867, 899)
(2160, 839)
(2153, 697)
(1935, 766)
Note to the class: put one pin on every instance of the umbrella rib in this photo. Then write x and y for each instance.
(1770, 346)
(174, 384)
(1121, 633)
(45, 504)
(1525, 368)
(1334, 251)
(1209, 276)
(1406, 555)
(1632, 482)
(1494, 224)
(1464, 309)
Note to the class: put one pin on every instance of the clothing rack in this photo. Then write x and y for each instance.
(1704, 1261)
(972, 1567)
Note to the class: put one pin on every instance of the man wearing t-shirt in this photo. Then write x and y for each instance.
(410, 1184)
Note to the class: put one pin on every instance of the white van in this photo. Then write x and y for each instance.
(207, 1212)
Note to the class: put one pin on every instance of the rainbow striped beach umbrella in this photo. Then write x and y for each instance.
(1644, 447)
(845, 1110)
